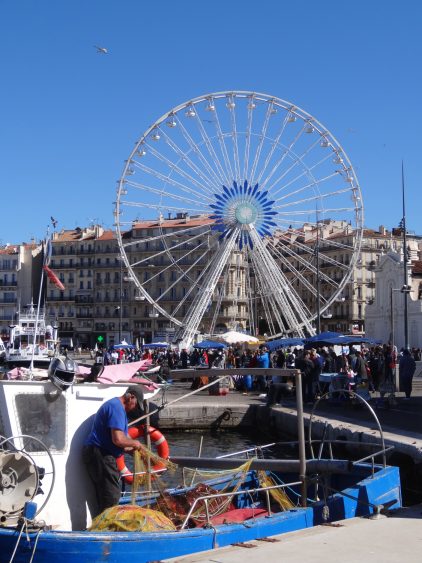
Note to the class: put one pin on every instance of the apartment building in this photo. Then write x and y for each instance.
(336, 240)
(20, 269)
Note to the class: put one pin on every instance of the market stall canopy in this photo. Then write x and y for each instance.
(233, 337)
(207, 344)
(350, 340)
(284, 343)
(322, 339)
(153, 345)
(123, 346)
(342, 340)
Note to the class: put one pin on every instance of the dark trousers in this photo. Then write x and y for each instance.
(308, 387)
(105, 477)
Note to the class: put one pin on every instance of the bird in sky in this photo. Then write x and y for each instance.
(53, 222)
(102, 50)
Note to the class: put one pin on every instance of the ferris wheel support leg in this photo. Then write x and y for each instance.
(200, 303)
(281, 291)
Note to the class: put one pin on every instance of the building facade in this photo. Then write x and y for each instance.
(385, 316)
(20, 270)
(101, 304)
(347, 313)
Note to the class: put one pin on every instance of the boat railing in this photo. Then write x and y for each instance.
(373, 456)
(206, 498)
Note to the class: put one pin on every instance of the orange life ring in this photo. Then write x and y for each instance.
(157, 439)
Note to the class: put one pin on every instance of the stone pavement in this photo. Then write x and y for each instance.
(397, 537)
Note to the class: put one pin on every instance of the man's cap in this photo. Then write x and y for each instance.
(137, 392)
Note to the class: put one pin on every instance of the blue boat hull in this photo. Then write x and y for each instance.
(358, 499)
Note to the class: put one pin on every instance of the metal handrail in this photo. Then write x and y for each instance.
(206, 498)
(353, 395)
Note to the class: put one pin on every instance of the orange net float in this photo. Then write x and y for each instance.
(157, 439)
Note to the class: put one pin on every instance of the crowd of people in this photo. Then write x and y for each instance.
(372, 368)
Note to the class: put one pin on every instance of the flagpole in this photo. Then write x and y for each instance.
(405, 261)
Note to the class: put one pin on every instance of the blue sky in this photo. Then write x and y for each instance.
(71, 116)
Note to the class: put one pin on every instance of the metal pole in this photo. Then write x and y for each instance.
(318, 288)
(392, 318)
(148, 442)
(301, 436)
(405, 259)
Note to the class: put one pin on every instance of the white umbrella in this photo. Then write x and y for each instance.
(233, 337)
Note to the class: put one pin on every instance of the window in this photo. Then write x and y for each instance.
(81, 285)
(42, 418)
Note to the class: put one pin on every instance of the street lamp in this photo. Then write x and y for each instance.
(318, 287)
(405, 289)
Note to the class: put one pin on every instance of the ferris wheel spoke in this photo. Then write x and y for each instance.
(202, 298)
(221, 293)
(299, 160)
(159, 192)
(280, 160)
(311, 199)
(212, 171)
(153, 257)
(166, 179)
(291, 304)
(208, 175)
(182, 277)
(308, 171)
(164, 236)
(174, 167)
(248, 135)
(232, 105)
(228, 167)
(262, 137)
(274, 145)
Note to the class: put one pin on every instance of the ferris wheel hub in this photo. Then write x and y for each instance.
(246, 213)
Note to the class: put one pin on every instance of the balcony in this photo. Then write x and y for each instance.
(83, 251)
(84, 299)
(4, 283)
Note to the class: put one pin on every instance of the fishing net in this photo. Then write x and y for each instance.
(146, 467)
(130, 518)
(189, 508)
(278, 495)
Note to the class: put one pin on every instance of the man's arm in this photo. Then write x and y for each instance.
(120, 440)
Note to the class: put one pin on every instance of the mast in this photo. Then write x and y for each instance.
(40, 292)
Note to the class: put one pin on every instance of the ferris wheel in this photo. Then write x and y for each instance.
(247, 207)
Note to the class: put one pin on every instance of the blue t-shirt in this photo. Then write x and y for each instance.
(263, 360)
(110, 415)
